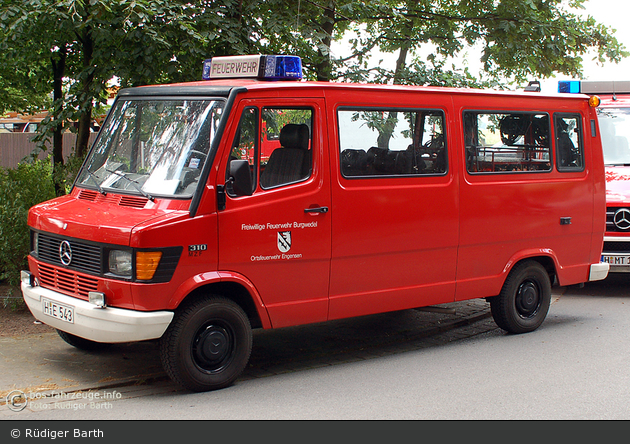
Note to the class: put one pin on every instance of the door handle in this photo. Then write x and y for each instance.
(316, 210)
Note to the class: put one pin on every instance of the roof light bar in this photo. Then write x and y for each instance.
(265, 67)
(594, 86)
(569, 86)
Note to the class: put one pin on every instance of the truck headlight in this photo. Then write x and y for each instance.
(120, 262)
(142, 264)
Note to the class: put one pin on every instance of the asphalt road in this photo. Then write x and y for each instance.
(575, 366)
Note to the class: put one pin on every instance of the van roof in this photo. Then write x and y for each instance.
(222, 88)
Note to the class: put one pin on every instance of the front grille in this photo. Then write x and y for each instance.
(618, 219)
(66, 281)
(616, 247)
(85, 257)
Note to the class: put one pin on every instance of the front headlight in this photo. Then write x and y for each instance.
(142, 265)
(120, 262)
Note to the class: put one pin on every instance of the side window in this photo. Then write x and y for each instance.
(285, 146)
(244, 146)
(568, 135)
(501, 142)
(387, 142)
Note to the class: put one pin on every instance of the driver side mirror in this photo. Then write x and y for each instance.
(241, 178)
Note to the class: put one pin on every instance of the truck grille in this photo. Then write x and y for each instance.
(618, 220)
(616, 247)
(66, 281)
(85, 257)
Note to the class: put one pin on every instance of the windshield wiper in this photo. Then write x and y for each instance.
(92, 176)
(135, 184)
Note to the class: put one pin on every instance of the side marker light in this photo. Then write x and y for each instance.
(594, 101)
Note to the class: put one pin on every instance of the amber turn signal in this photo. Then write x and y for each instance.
(146, 264)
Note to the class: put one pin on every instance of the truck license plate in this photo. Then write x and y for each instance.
(58, 311)
(616, 260)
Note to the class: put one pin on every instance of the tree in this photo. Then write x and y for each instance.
(308, 28)
(74, 47)
(79, 46)
(520, 38)
(22, 88)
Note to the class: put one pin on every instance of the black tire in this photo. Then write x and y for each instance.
(207, 345)
(524, 301)
(82, 343)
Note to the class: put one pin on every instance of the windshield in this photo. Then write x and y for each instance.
(153, 147)
(614, 124)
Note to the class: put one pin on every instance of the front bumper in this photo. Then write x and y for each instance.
(598, 271)
(97, 324)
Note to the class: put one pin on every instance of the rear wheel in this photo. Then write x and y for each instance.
(207, 345)
(524, 300)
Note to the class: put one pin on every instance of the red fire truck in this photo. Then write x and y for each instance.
(614, 123)
(180, 228)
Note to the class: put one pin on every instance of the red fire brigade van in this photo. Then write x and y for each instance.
(377, 198)
(614, 124)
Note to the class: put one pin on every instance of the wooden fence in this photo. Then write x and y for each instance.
(16, 146)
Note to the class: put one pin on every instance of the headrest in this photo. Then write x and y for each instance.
(294, 135)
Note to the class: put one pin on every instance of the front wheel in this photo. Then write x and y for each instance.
(524, 300)
(207, 345)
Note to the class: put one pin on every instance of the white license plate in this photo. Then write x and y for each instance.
(617, 260)
(58, 311)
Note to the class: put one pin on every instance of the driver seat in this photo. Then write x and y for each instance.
(291, 162)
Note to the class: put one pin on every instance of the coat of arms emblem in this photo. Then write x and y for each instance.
(284, 241)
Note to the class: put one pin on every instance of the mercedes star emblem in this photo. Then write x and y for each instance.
(65, 253)
(622, 219)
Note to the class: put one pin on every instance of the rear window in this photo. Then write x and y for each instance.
(503, 142)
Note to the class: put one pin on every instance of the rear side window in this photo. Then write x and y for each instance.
(504, 142)
(568, 135)
(389, 142)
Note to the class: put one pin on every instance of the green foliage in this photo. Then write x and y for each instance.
(83, 45)
(541, 38)
(20, 189)
(63, 175)
(520, 39)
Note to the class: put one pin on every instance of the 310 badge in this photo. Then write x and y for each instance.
(197, 250)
